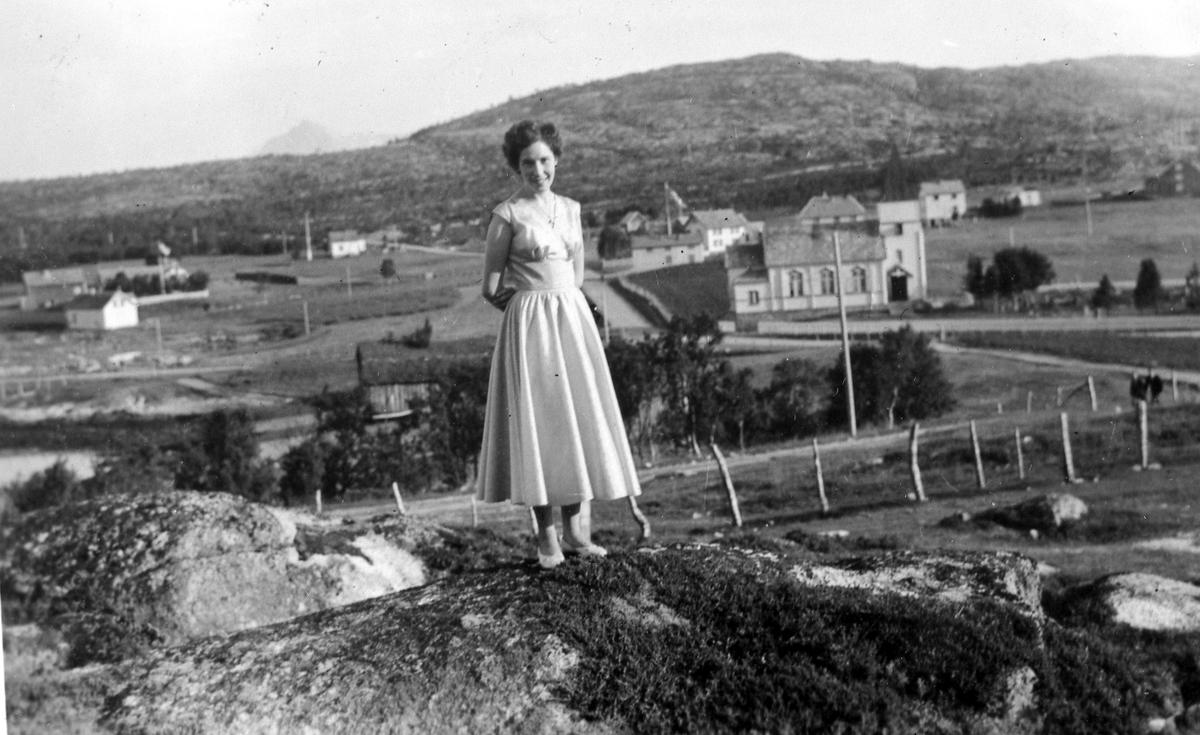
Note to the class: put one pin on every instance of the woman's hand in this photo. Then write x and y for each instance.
(501, 298)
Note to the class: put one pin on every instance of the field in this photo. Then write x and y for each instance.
(687, 290)
(1167, 230)
(1164, 352)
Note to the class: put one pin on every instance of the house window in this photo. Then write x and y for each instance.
(752, 297)
(827, 282)
(667, 259)
(899, 228)
(795, 283)
(858, 279)
(899, 256)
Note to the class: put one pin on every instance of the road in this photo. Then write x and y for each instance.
(832, 328)
(617, 311)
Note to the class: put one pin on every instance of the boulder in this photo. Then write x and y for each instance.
(1142, 601)
(121, 573)
(1043, 513)
(947, 576)
(664, 639)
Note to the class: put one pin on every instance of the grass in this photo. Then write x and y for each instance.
(687, 290)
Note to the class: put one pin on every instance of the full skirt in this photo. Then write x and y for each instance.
(553, 433)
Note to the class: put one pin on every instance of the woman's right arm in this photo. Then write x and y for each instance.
(499, 240)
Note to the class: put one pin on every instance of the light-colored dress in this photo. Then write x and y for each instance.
(553, 433)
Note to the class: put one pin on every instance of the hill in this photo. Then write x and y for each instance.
(764, 131)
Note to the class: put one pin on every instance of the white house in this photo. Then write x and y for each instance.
(720, 228)
(942, 201)
(346, 244)
(794, 269)
(102, 312)
(1027, 197)
(661, 251)
(834, 211)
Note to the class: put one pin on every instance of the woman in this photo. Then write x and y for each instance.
(553, 434)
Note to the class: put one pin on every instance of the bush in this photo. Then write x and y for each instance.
(387, 269)
(420, 338)
(55, 485)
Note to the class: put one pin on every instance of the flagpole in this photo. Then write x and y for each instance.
(667, 202)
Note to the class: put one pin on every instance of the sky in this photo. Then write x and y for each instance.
(92, 86)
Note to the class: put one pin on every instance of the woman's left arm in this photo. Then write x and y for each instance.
(579, 252)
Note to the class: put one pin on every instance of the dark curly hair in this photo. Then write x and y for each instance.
(526, 133)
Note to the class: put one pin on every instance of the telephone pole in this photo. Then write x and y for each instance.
(837, 256)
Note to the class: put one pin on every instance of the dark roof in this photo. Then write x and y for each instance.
(744, 256)
(715, 219)
(345, 235)
(86, 274)
(787, 242)
(944, 186)
(678, 240)
(832, 206)
(383, 363)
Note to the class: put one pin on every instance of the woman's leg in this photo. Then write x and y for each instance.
(547, 536)
(577, 537)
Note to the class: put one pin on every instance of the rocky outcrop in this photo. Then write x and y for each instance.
(642, 641)
(1045, 513)
(119, 574)
(947, 576)
(1141, 601)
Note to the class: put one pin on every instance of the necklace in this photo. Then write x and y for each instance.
(552, 217)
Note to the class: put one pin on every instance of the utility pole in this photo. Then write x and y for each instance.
(349, 288)
(837, 255)
(307, 238)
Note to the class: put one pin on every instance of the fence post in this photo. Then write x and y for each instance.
(307, 329)
(820, 477)
(1068, 459)
(1029, 402)
(729, 490)
(1092, 393)
(1059, 403)
(1174, 386)
(399, 500)
(979, 480)
(319, 501)
(999, 407)
(643, 524)
(1020, 456)
(1144, 431)
(474, 512)
(914, 466)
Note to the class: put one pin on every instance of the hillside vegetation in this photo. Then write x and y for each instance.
(763, 131)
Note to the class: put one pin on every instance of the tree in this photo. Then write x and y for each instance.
(1148, 291)
(1192, 287)
(975, 282)
(794, 399)
(614, 243)
(140, 465)
(457, 405)
(225, 458)
(303, 471)
(387, 269)
(686, 356)
(902, 377)
(1105, 294)
(638, 381)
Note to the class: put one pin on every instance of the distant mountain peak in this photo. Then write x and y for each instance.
(308, 138)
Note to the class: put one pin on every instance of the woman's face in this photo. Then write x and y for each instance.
(537, 164)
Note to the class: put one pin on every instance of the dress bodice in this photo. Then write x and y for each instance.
(544, 243)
